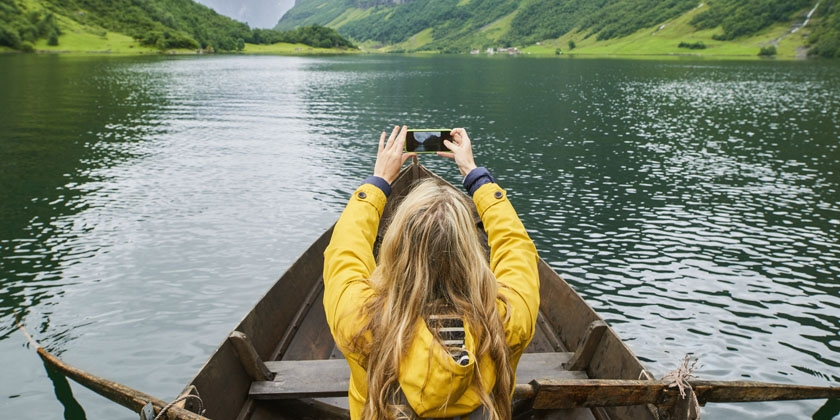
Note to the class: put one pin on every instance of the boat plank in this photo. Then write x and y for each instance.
(331, 378)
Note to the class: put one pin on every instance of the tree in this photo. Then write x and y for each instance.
(572, 44)
(10, 38)
(52, 39)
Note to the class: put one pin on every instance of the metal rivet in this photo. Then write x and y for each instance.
(362, 195)
(498, 194)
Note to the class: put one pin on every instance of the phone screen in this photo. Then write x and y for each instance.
(426, 141)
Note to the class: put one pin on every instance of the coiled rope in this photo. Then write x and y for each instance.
(184, 397)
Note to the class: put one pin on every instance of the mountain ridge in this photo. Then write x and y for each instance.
(714, 27)
(148, 25)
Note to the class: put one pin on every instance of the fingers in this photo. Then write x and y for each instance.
(459, 135)
(397, 138)
(394, 134)
(400, 145)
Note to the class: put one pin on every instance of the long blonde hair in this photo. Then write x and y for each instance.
(430, 260)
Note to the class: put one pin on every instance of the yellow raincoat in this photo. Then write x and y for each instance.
(433, 383)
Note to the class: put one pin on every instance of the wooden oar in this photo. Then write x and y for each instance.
(569, 393)
(118, 393)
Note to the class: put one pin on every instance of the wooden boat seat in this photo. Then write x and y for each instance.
(331, 378)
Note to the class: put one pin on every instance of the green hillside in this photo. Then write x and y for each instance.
(140, 26)
(695, 27)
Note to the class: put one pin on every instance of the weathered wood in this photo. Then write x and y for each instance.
(313, 300)
(569, 317)
(685, 407)
(545, 338)
(249, 358)
(743, 391)
(550, 387)
(222, 381)
(331, 378)
(118, 393)
(567, 393)
(553, 394)
(187, 401)
(590, 342)
(304, 379)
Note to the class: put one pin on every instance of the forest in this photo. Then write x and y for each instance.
(604, 18)
(164, 24)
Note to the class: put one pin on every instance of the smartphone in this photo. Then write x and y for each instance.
(427, 140)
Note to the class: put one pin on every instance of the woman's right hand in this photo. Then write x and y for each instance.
(460, 149)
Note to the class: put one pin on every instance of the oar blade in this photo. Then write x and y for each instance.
(743, 391)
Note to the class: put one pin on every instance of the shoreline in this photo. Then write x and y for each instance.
(311, 51)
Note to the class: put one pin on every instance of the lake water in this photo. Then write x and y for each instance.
(147, 203)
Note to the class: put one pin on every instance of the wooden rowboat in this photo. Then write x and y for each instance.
(282, 363)
(304, 378)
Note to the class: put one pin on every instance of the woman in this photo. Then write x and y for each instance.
(431, 329)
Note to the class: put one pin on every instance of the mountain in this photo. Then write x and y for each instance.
(158, 24)
(717, 26)
(256, 13)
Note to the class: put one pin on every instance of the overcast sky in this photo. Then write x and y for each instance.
(256, 13)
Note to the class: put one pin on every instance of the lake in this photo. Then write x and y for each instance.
(148, 202)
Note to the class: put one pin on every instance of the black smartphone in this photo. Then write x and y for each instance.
(427, 140)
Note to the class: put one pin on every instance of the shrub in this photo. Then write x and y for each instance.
(699, 45)
(769, 51)
(827, 47)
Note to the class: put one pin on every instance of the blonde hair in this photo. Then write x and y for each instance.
(431, 260)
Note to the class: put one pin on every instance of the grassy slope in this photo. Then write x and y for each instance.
(77, 38)
(664, 40)
(498, 28)
(85, 39)
(349, 15)
(493, 31)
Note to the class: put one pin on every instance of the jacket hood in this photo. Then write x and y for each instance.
(434, 384)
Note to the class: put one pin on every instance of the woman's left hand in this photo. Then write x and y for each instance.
(390, 157)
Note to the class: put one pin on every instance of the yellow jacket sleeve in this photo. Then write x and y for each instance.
(513, 260)
(349, 262)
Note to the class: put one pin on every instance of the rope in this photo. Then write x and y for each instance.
(179, 399)
(679, 377)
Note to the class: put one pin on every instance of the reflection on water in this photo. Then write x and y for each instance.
(148, 203)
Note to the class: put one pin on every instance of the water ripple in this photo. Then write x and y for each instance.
(694, 205)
